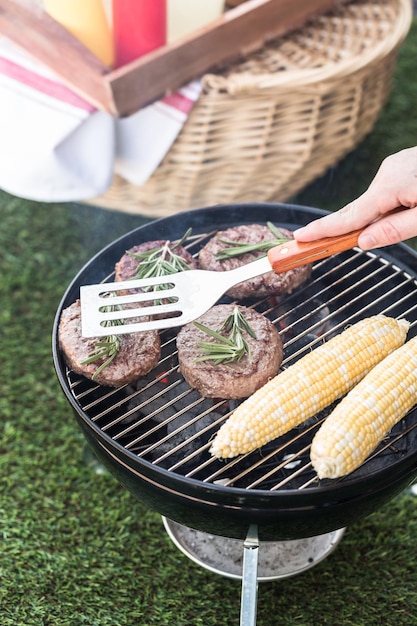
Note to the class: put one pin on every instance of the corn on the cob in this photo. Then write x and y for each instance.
(362, 418)
(309, 385)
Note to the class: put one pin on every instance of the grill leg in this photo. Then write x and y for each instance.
(250, 578)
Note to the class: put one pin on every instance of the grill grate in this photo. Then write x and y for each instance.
(164, 422)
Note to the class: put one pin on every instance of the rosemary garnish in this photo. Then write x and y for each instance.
(161, 261)
(105, 348)
(226, 349)
(236, 248)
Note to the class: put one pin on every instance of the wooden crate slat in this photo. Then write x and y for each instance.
(237, 33)
(33, 30)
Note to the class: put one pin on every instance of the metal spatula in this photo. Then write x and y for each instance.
(177, 299)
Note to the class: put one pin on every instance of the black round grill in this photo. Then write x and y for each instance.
(154, 435)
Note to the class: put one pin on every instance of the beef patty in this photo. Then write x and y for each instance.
(260, 286)
(234, 380)
(138, 354)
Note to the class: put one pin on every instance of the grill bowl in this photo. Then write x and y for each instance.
(225, 498)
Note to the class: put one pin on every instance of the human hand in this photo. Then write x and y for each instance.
(394, 186)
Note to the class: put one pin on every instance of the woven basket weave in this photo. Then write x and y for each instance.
(266, 127)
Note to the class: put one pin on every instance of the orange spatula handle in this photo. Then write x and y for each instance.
(292, 254)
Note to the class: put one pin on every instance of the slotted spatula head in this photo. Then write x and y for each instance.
(176, 299)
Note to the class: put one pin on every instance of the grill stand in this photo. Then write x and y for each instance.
(257, 562)
(250, 578)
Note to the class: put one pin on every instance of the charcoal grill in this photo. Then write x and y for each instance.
(154, 436)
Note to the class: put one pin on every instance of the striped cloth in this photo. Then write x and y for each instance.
(55, 146)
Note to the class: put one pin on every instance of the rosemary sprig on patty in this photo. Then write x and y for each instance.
(161, 261)
(236, 248)
(106, 347)
(229, 347)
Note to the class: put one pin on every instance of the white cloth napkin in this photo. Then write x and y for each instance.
(54, 146)
(143, 139)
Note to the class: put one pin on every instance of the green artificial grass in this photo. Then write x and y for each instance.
(75, 547)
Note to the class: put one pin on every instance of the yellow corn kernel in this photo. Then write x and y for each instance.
(309, 385)
(368, 412)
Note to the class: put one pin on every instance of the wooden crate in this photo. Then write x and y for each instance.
(268, 125)
(241, 30)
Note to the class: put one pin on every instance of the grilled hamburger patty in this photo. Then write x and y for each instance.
(260, 286)
(139, 352)
(126, 267)
(235, 380)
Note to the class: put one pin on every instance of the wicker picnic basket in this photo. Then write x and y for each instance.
(268, 125)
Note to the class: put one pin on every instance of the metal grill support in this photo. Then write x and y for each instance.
(250, 578)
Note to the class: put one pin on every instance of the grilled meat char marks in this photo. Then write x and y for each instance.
(235, 380)
(138, 354)
(260, 286)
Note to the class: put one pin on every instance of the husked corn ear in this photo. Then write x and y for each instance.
(368, 412)
(309, 385)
